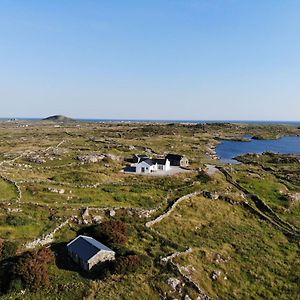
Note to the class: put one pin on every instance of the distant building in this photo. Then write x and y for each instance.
(146, 166)
(87, 252)
(137, 158)
(153, 165)
(162, 164)
(177, 160)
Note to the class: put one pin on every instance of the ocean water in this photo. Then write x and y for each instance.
(292, 123)
(227, 150)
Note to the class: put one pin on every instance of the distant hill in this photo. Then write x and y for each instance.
(59, 118)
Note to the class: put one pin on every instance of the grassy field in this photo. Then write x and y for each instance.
(250, 258)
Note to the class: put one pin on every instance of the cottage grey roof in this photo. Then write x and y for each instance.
(86, 247)
(149, 162)
(160, 161)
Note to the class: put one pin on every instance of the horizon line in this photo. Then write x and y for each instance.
(154, 120)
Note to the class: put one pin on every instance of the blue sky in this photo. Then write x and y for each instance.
(158, 59)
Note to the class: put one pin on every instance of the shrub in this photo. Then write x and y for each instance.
(120, 198)
(45, 255)
(31, 268)
(1, 246)
(113, 232)
(15, 285)
(9, 249)
(109, 189)
(203, 177)
(17, 221)
(126, 264)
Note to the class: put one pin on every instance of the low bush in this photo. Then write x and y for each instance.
(112, 232)
(120, 198)
(126, 264)
(31, 268)
(7, 249)
(13, 220)
(203, 177)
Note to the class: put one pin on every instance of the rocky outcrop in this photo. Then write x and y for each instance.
(173, 283)
(90, 158)
(54, 190)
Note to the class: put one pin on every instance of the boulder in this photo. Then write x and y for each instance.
(112, 213)
(173, 283)
(97, 219)
(216, 275)
(211, 195)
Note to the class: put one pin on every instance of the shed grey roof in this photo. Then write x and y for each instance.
(86, 247)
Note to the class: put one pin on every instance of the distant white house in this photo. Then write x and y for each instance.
(152, 165)
(163, 164)
(146, 166)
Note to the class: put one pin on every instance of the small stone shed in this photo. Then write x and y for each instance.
(88, 252)
(177, 160)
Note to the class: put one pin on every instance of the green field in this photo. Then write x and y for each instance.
(45, 183)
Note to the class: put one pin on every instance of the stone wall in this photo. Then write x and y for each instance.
(101, 257)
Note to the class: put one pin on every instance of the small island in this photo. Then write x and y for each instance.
(59, 118)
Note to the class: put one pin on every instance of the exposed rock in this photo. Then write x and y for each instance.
(216, 275)
(97, 219)
(113, 157)
(35, 159)
(85, 213)
(187, 297)
(14, 210)
(91, 158)
(211, 195)
(294, 199)
(173, 283)
(54, 190)
(112, 213)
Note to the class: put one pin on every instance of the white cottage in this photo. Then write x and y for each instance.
(152, 165)
(163, 164)
(146, 166)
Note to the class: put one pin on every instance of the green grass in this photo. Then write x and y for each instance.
(262, 262)
(7, 190)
